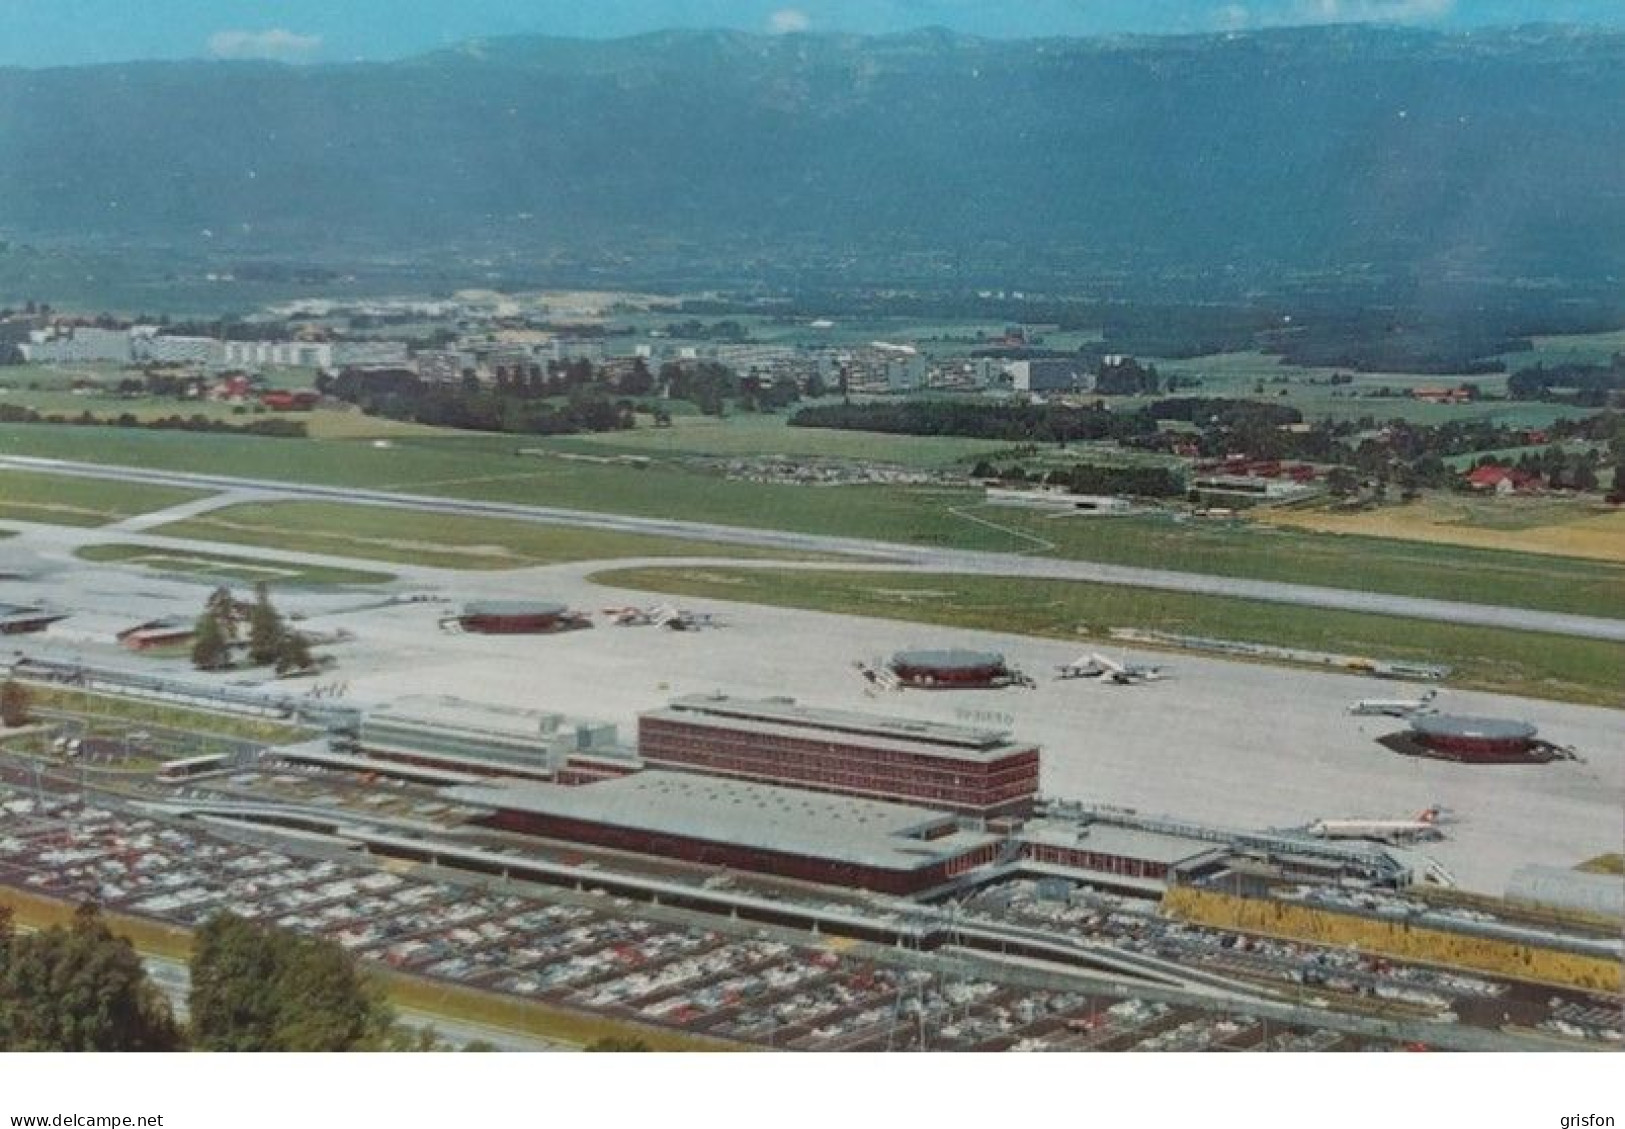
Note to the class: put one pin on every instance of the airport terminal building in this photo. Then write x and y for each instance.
(787, 832)
(977, 772)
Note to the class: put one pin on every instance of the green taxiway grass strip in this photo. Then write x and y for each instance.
(1526, 663)
(1259, 551)
(489, 468)
(439, 540)
(211, 566)
(110, 708)
(63, 500)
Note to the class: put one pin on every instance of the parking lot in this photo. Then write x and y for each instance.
(587, 951)
(1325, 973)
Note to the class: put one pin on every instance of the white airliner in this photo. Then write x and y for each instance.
(1394, 707)
(1425, 826)
(1109, 670)
(661, 615)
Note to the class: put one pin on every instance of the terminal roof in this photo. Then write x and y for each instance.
(783, 717)
(741, 814)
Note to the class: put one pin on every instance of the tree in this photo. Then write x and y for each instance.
(259, 988)
(1341, 481)
(210, 648)
(265, 629)
(638, 380)
(15, 702)
(325, 1005)
(232, 1001)
(226, 612)
(293, 653)
(79, 988)
(618, 1044)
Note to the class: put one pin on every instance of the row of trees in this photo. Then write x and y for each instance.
(77, 987)
(1128, 378)
(80, 987)
(1561, 469)
(227, 621)
(1083, 478)
(1044, 423)
(559, 398)
(274, 428)
(1586, 385)
(514, 405)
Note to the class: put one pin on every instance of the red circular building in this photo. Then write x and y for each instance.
(1477, 739)
(951, 670)
(518, 617)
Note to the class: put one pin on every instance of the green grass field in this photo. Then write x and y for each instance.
(109, 708)
(1524, 663)
(743, 436)
(1582, 348)
(210, 566)
(489, 468)
(1266, 552)
(486, 468)
(48, 390)
(436, 540)
(1308, 389)
(58, 500)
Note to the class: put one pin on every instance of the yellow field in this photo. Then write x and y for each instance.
(1554, 527)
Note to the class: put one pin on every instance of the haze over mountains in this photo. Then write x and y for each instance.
(1340, 152)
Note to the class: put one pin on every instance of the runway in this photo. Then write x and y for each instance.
(881, 555)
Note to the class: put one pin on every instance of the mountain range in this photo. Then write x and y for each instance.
(1309, 154)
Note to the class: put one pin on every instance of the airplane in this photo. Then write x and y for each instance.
(1424, 826)
(1394, 707)
(663, 615)
(1109, 670)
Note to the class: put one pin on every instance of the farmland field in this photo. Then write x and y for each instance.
(26, 496)
(53, 396)
(1525, 663)
(1309, 390)
(1551, 526)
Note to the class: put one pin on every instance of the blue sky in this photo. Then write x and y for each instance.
(56, 32)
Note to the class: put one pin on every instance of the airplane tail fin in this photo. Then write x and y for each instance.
(1429, 815)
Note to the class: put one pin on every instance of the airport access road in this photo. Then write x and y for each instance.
(882, 554)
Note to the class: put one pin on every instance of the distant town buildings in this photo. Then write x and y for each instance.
(1064, 374)
(78, 345)
(279, 354)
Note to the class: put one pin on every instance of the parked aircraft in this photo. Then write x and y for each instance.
(661, 615)
(1394, 707)
(1423, 826)
(1106, 669)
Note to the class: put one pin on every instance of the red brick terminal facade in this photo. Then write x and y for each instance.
(955, 768)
